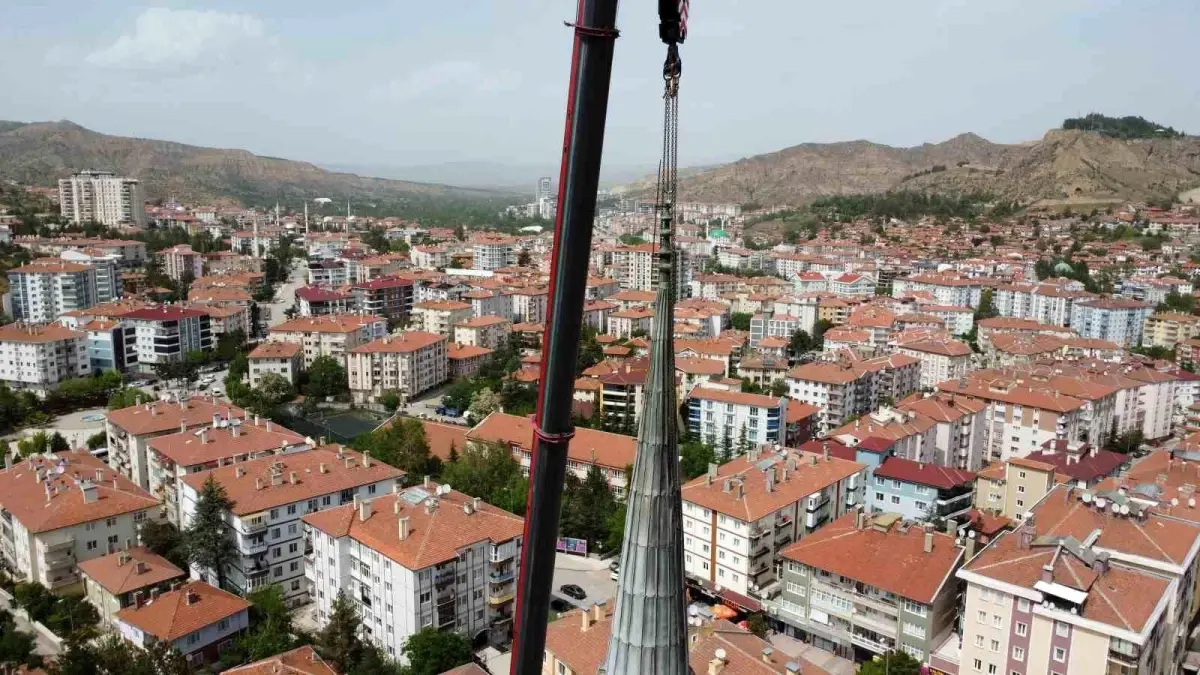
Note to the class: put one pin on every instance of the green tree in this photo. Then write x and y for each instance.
(588, 508)
(16, 647)
(740, 321)
(484, 403)
(402, 445)
(615, 524)
(590, 350)
(272, 624)
(490, 472)
(58, 443)
(779, 388)
(128, 396)
(891, 663)
(987, 306)
(390, 401)
(338, 641)
(326, 377)
(757, 624)
(696, 458)
(458, 394)
(208, 543)
(163, 538)
(524, 259)
(1176, 302)
(430, 651)
(276, 389)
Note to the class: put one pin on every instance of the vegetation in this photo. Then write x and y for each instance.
(1124, 128)
(903, 205)
(740, 321)
(1177, 302)
(113, 655)
(163, 538)
(68, 616)
(402, 445)
(16, 646)
(891, 663)
(430, 651)
(490, 472)
(586, 507)
(326, 377)
(207, 541)
(271, 632)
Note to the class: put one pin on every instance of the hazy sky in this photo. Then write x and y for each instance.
(412, 82)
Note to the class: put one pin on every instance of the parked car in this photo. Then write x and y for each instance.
(573, 591)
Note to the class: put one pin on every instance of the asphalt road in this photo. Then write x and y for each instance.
(285, 293)
(588, 573)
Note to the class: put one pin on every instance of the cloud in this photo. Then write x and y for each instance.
(168, 39)
(454, 78)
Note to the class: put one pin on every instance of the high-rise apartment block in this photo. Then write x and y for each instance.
(103, 197)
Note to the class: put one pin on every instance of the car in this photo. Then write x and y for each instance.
(614, 570)
(573, 591)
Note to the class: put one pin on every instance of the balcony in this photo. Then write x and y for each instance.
(782, 522)
(254, 523)
(66, 544)
(61, 580)
(869, 640)
(501, 597)
(502, 577)
(253, 546)
(876, 623)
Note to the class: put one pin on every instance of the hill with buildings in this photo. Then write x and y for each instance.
(1065, 166)
(39, 153)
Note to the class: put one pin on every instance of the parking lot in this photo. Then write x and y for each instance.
(590, 574)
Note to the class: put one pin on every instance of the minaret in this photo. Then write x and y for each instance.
(305, 216)
(254, 243)
(649, 629)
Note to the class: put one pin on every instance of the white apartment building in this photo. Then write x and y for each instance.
(107, 265)
(941, 360)
(1117, 320)
(332, 335)
(226, 440)
(834, 388)
(491, 252)
(36, 357)
(424, 556)
(528, 305)
(718, 416)
(805, 307)
(407, 363)
(430, 257)
(1047, 303)
(440, 317)
(270, 495)
(489, 332)
(181, 261)
(489, 303)
(47, 288)
(166, 333)
(958, 434)
(281, 358)
(636, 268)
(1017, 419)
(946, 290)
(58, 510)
(1156, 398)
(195, 619)
(103, 197)
(625, 323)
(738, 517)
(131, 429)
(958, 320)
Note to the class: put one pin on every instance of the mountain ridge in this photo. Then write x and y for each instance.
(39, 153)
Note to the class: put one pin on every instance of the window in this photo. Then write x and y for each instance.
(1060, 654)
(895, 484)
(982, 617)
(879, 496)
(91, 545)
(979, 641)
(916, 608)
(193, 638)
(922, 506)
(223, 624)
(895, 499)
(879, 480)
(994, 647)
(1018, 654)
(274, 514)
(1020, 489)
(291, 509)
(1061, 629)
(914, 630)
(1022, 629)
(978, 666)
(796, 588)
(1022, 605)
(997, 621)
(1020, 474)
(991, 669)
(111, 522)
(425, 597)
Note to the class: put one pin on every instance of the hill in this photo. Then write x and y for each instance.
(1066, 166)
(39, 153)
(1121, 127)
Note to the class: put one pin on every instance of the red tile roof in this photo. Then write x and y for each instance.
(178, 613)
(941, 477)
(128, 571)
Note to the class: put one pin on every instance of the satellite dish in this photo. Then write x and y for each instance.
(971, 534)
(1116, 508)
(1174, 501)
(693, 610)
(1100, 502)
(720, 654)
(1191, 502)
(1124, 509)
(1087, 498)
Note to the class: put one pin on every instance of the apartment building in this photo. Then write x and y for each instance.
(723, 418)
(388, 296)
(1117, 320)
(102, 197)
(424, 556)
(905, 433)
(941, 360)
(1156, 396)
(108, 270)
(195, 619)
(335, 335)
(491, 252)
(863, 586)
(957, 320)
(282, 358)
(1018, 419)
(226, 440)
(126, 579)
(489, 303)
(270, 495)
(440, 317)
(428, 257)
(323, 301)
(1049, 303)
(131, 429)
(958, 434)
(489, 332)
(834, 388)
(166, 333)
(47, 288)
(327, 273)
(465, 360)
(299, 661)
(182, 261)
(1012, 487)
(1167, 329)
(945, 289)
(852, 285)
(1061, 604)
(921, 492)
(36, 357)
(612, 453)
(738, 517)
(407, 363)
(779, 325)
(58, 510)
(630, 323)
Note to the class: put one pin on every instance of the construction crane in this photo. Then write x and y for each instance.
(583, 144)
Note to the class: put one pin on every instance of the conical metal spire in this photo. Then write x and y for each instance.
(649, 629)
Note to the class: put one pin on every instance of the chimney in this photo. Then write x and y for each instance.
(292, 477)
(712, 471)
(91, 493)
(258, 483)
(238, 472)
(216, 419)
(138, 599)
(717, 665)
(366, 456)
(322, 468)
(182, 426)
(928, 547)
(203, 436)
(585, 621)
(860, 520)
(970, 548)
(475, 502)
(951, 526)
(770, 480)
(357, 501)
(364, 510)
(825, 452)
(268, 425)
(739, 490)
(1100, 563)
(235, 430)
(812, 460)
(192, 597)
(402, 527)
(256, 420)
(123, 559)
(793, 668)
(99, 475)
(1048, 573)
(597, 612)
(425, 482)
(349, 462)
(141, 567)
(766, 654)
(153, 594)
(1027, 534)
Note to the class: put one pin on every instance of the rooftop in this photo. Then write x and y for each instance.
(49, 492)
(131, 570)
(614, 451)
(329, 323)
(299, 661)
(178, 613)
(30, 333)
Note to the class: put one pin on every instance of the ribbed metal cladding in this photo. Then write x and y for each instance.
(649, 629)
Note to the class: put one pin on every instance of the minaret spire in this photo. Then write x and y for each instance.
(649, 628)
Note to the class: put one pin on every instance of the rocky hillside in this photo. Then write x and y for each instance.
(39, 153)
(1063, 167)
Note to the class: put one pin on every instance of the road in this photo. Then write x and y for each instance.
(590, 574)
(285, 294)
(42, 645)
(426, 408)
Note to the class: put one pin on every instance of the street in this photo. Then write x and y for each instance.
(43, 645)
(590, 574)
(285, 294)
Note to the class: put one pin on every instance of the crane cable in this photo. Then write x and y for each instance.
(668, 174)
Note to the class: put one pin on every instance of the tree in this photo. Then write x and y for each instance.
(402, 445)
(615, 524)
(484, 403)
(16, 647)
(757, 624)
(272, 622)
(740, 321)
(800, 343)
(430, 651)
(163, 538)
(726, 449)
(208, 543)
(588, 507)
(1176, 302)
(128, 396)
(590, 350)
(987, 306)
(779, 388)
(338, 641)
(458, 394)
(390, 401)
(58, 443)
(524, 259)
(696, 458)
(326, 377)
(275, 388)
(891, 663)
(490, 472)
(743, 442)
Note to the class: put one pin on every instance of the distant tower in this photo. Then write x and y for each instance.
(305, 216)
(543, 189)
(254, 243)
(649, 629)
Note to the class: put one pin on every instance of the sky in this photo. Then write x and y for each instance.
(407, 82)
